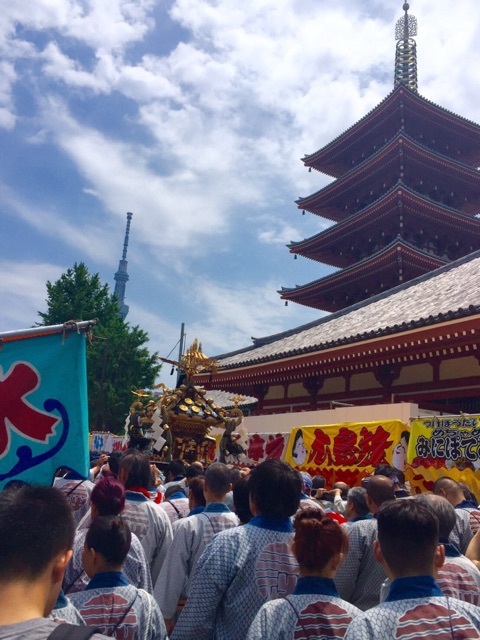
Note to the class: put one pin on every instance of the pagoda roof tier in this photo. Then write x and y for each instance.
(402, 110)
(445, 295)
(402, 158)
(397, 262)
(400, 211)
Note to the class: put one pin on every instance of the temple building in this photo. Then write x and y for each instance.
(405, 196)
(405, 301)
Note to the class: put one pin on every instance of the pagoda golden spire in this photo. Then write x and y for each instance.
(406, 51)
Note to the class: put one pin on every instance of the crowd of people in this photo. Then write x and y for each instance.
(232, 554)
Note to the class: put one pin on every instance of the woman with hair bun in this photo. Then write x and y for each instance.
(107, 499)
(314, 610)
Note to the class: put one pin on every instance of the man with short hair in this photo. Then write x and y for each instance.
(245, 566)
(191, 536)
(458, 577)
(36, 536)
(408, 549)
(357, 507)
(175, 474)
(468, 515)
(360, 578)
(146, 519)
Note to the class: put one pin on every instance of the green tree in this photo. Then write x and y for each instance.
(117, 358)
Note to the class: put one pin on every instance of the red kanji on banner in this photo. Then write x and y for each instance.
(345, 450)
(320, 452)
(274, 446)
(256, 449)
(373, 445)
(18, 413)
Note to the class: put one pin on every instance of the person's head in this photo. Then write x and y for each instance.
(175, 469)
(379, 489)
(36, 538)
(274, 489)
(468, 493)
(192, 472)
(356, 506)
(319, 543)
(196, 497)
(235, 475)
(198, 465)
(318, 482)
(449, 489)
(217, 482)
(241, 500)
(408, 539)
(306, 482)
(134, 470)
(396, 475)
(106, 545)
(443, 510)
(107, 497)
(114, 462)
(343, 486)
(299, 452)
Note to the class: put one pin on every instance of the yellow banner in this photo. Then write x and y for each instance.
(349, 451)
(444, 446)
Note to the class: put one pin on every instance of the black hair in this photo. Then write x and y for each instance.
(390, 472)
(137, 466)
(195, 489)
(111, 537)
(114, 461)
(176, 468)
(319, 482)
(217, 478)
(36, 524)
(241, 502)
(275, 487)
(235, 475)
(408, 535)
(193, 472)
(296, 438)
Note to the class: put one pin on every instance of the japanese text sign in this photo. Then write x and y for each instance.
(347, 452)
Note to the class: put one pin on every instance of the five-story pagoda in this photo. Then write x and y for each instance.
(405, 196)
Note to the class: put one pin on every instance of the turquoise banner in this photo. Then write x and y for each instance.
(43, 408)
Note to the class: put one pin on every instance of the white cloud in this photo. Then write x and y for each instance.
(23, 292)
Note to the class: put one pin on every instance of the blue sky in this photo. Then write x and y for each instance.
(193, 114)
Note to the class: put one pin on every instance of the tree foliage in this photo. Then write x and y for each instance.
(117, 359)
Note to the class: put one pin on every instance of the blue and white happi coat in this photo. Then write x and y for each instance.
(190, 537)
(238, 572)
(119, 609)
(135, 566)
(313, 611)
(149, 522)
(414, 609)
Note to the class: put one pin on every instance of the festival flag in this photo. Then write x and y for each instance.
(43, 404)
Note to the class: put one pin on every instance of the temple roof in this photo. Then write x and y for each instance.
(399, 199)
(388, 263)
(386, 118)
(389, 161)
(452, 291)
